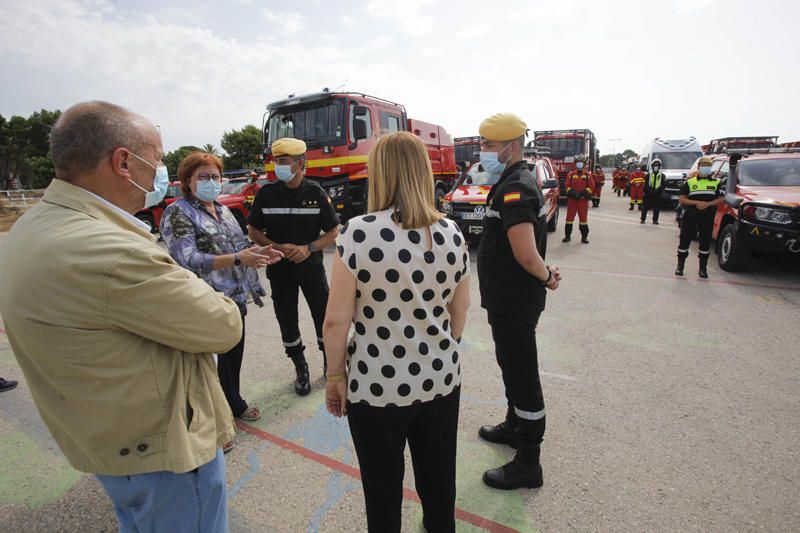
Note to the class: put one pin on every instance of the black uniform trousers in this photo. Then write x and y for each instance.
(380, 434)
(515, 349)
(285, 284)
(693, 221)
(651, 201)
(229, 367)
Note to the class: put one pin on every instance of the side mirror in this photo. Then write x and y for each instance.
(733, 200)
(360, 110)
(550, 184)
(359, 129)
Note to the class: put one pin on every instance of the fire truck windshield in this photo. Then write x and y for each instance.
(317, 123)
(563, 147)
(676, 160)
(782, 172)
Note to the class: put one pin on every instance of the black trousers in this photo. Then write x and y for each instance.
(651, 201)
(515, 349)
(285, 288)
(380, 435)
(693, 221)
(229, 367)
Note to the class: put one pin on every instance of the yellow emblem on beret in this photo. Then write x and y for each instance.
(503, 127)
(288, 146)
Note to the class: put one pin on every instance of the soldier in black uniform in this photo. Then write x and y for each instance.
(513, 281)
(290, 215)
(699, 195)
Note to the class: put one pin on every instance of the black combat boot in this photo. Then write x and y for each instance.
(703, 265)
(681, 263)
(584, 233)
(524, 471)
(301, 384)
(503, 433)
(567, 233)
(631, 207)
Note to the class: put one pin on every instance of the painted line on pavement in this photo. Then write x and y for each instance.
(659, 225)
(682, 279)
(2, 331)
(559, 376)
(333, 464)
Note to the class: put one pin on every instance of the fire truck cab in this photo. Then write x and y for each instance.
(339, 130)
(564, 146)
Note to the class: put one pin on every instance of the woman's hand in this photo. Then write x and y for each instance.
(336, 397)
(259, 256)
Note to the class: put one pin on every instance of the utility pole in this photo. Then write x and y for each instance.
(614, 151)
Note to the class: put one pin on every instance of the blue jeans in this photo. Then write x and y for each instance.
(165, 501)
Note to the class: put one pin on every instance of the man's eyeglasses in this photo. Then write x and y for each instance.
(206, 176)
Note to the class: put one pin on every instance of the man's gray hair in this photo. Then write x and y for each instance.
(87, 132)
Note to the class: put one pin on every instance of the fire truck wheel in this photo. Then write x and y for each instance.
(147, 218)
(733, 253)
(552, 224)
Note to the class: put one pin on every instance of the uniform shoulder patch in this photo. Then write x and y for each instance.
(511, 197)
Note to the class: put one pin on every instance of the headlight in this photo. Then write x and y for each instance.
(776, 216)
(446, 207)
(336, 192)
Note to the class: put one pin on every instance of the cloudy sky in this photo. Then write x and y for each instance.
(624, 69)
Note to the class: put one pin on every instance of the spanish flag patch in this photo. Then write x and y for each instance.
(511, 197)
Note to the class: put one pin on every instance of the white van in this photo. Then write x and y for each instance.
(677, 157)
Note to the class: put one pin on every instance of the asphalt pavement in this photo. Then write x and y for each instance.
(673, 404)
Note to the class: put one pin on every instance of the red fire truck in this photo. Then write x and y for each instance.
(717, 146)
(339, 130)
(467, 150)
(564, 146)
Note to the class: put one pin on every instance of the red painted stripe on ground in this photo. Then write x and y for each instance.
(678, 278)
(333, 464)
(2, 331)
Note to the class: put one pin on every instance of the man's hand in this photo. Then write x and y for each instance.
(296, 253)
(701, 205)
(555, 279)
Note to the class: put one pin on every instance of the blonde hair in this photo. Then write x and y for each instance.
(401, 177)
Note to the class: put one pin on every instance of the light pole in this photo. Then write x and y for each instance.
(614, 151)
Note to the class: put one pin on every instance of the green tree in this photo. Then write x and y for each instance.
(210, 149)
(241, 147)
(24, 150)
(173, 159)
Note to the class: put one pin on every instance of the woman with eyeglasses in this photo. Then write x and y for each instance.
(203, 236)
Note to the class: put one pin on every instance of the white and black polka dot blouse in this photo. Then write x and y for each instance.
(403, 350)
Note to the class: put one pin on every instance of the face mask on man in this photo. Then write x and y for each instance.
(656, 168)
(284, 172)
(160, 184)
(704, 171)
(490, 162)
(208, 190)
(579, 166)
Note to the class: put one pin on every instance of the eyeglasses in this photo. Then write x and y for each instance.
(206, 176)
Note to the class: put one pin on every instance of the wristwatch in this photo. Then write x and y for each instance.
(544, 282)
(237, 261)
(311, 247)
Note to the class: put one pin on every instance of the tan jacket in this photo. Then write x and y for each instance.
(114, 338)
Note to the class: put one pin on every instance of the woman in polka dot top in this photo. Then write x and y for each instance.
(401, 277)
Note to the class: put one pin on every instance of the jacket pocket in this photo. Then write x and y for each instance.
(151, 444)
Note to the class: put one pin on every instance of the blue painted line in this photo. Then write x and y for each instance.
(255, 466)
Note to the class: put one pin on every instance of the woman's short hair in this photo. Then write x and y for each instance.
(400, 177)
(191, 163)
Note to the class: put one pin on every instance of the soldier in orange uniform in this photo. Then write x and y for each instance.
(637, 187)
(599, 180)
(579, 184)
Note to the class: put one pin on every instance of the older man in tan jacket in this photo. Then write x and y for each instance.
(114, 338)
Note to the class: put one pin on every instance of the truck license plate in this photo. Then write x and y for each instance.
(472, 216)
